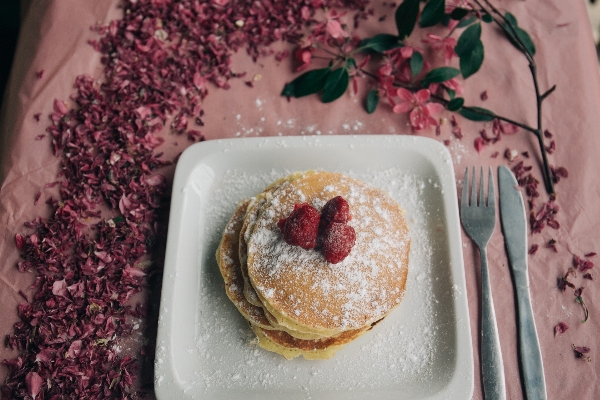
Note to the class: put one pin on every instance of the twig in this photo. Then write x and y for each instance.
(509, 30)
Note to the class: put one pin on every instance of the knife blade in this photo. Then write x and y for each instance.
(514, 228)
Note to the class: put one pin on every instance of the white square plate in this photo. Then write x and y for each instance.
(422, 350)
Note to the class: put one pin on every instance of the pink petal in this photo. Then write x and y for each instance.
(402, 107)
(385, 70)
(510, 129)
(34, 384)
(60, 107)
(433, 37)
(422, 95)
(479, 144)
(450, 42)
(434, 108)
(20, 241)
(134, 272)
(155, 180)
(560, 328)
(405, 95)
(406, 51)
(59, 288)
(419, 118)
(199, 80)
(433, 88)
(75, 349)
(143, 111)
(433, 121)
(334, 28)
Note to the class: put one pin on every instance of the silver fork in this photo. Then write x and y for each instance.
(478, 220)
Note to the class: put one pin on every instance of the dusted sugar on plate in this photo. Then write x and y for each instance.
(315, 261)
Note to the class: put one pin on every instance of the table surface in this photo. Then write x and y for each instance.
(54, 38)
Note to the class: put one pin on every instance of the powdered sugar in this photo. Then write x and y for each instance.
(357, 284)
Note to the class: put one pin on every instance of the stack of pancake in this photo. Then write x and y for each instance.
(295, 301)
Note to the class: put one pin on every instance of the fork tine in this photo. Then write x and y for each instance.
(491, 196)
(474, 190)
(464, 200)
(481, 202)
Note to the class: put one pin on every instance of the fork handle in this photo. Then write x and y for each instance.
(492, 368)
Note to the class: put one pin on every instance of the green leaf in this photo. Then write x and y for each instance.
(467, 22)
(458, 13)
(477, 114)
(451, 93)
(382, 42)
(511, 19)
(372, 100)
(468, 40)
(446, 20)
(416, 63)
(335, 85)
(512, 26)
(487, 18)
(308, 83)
(439, 75)
(471, 62)
(433, 13)
(406, 17)
(455, 104)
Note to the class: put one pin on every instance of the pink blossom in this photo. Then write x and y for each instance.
(420, 109)
(401, 54)
(385, 70)
(407, 51)
(452, 84)
(446, 45)
(303, 55)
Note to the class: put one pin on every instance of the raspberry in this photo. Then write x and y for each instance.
(335, 210)
(301, 227)
(338, 240)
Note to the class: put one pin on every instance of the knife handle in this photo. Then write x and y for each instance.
(532, 367)
(492, 367)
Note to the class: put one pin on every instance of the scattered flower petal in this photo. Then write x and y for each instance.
(34, 384)
(560, 328)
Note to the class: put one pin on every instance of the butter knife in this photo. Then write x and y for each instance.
(514, 227)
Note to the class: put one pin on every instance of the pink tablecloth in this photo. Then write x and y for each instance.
(55, 38)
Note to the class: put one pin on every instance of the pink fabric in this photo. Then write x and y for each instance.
(54, 38)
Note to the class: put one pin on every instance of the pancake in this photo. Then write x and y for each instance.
(290, 347)
(287, 345)
(229, 265)
(301, 289)
(295, 301)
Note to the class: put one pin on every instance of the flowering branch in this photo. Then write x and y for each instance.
(405, 79)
